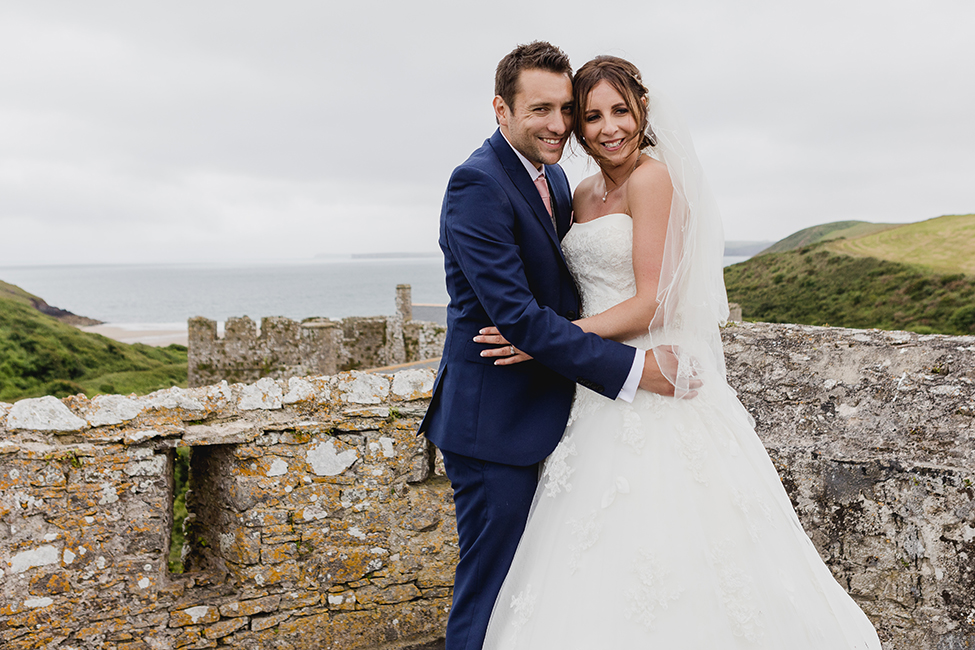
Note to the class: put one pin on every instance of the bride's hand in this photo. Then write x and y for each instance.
(508, 353)
(658, 379)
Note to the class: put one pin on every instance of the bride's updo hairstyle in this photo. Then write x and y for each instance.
(622, 76)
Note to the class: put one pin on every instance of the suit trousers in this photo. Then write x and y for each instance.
(492, 502)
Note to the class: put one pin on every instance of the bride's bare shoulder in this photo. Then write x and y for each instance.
(650, 172)
(649, 188)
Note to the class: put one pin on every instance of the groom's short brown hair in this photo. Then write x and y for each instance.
(537, 55)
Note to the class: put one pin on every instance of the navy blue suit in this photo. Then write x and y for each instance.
(494, 424)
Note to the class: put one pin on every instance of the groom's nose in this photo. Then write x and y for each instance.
(558, 123)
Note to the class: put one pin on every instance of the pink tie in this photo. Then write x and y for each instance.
(543, 191)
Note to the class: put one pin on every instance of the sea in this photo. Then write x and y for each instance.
(164, 296)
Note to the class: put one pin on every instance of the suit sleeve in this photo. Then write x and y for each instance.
(481, 234)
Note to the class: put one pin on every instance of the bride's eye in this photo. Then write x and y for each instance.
(592, 117)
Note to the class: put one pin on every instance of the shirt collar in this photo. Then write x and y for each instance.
(532, 171)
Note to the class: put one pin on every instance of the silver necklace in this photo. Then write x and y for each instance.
(606, 193)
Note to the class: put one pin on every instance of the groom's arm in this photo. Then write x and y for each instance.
(480, 228)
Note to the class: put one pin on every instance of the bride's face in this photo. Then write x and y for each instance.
(609, 126)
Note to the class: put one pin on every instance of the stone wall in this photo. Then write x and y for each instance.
(317, 519)
(286, 348)
(873, 435)
(321, 521)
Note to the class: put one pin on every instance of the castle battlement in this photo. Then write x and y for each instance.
(284, 348)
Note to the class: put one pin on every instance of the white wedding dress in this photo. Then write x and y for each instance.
(662, 524)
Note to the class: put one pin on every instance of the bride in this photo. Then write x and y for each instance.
(661, 523)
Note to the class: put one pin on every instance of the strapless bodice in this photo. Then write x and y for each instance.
(600, 257)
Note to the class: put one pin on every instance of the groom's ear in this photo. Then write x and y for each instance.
(501, 111)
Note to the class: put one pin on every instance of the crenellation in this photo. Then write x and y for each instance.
(284, 348)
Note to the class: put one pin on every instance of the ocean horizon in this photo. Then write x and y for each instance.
(164, 296)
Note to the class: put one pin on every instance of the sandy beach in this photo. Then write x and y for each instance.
(158, 337)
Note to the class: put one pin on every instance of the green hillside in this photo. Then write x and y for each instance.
(817, 286)
(944, 244)
(826, 232)
(39, 355)
(16, 294)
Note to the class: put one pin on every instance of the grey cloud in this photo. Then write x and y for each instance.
(249, 129)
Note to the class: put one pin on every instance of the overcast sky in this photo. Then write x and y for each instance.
(233, 130)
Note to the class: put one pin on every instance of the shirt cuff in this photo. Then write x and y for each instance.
(628, 392)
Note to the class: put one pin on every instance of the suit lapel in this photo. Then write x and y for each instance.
(522, 181)
(558, 188)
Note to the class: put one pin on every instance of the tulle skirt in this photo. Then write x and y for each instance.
(663, 524)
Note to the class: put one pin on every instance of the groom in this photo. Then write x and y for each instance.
(504, 214)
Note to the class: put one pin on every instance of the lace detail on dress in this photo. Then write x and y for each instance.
(693, 450)
(620, 486)
(736, 589)
(748, 506)
(586, 533)
(656, 589)
(557, 469)
(522, 605)
(585, 402)
(599, 254)
(632, 433)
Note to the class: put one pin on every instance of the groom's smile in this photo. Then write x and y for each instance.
(539, 122)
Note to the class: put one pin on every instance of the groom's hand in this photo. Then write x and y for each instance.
(655, 381)
(508, 354)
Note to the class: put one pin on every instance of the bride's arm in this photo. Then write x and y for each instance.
(648, 195)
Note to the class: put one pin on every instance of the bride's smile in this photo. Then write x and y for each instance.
(609, 124)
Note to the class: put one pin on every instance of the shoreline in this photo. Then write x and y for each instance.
(157, 335)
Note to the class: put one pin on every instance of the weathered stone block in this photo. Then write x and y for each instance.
(372, 595)
(267, 575)
(44, 414)
(47, 584)
(199, 615)
(241, 546)
(330, 457)
(263, 394)
(279, 553)
(409, 385)
(259, 623)
(223, 628)
(251, 607)
(112, 409)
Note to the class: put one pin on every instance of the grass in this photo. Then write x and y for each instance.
(817, 286)
(945, 244)
(40, 355)
(16, 294)
(181, 472)
(826, 232)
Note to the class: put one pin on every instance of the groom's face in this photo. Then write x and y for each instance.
(539, 122)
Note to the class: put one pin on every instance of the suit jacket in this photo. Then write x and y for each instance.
(504, 267)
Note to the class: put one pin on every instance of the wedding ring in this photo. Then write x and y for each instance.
(511, 350)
